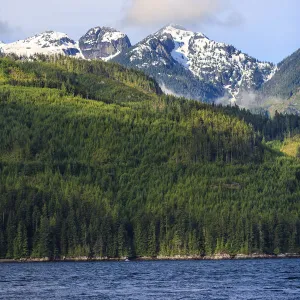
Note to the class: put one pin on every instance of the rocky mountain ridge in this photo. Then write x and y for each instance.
(103, 43)
(206, 60)
(98, 43)
(184, 63)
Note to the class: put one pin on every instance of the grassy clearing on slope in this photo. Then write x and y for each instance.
(291, 145)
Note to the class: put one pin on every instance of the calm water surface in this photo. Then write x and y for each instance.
(255, 279)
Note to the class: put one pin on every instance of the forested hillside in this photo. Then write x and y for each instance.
(95, 161)
(282, 91)
(286, 81)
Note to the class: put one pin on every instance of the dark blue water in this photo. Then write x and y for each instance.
(255, 279)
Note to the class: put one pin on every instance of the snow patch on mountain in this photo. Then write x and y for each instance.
(112, 36)
(210, 61)
(103, 43)
(108, 58)
(167, 91)
(216, 62)
(183, 62)
(98, 43)
(47, 43)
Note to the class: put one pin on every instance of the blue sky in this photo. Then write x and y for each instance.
(266, 29)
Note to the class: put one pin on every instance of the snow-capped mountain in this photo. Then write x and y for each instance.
(103, 43)
(47, 43)
(98, 43)
(199, 59)
(183, 62)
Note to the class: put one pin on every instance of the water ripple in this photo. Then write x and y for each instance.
(233, 280)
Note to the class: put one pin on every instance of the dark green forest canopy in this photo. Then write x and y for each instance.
(95, 161)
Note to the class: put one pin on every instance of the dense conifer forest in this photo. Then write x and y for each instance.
(95, 161)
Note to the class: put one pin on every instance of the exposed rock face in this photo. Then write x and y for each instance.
(176, 57)
(103, 43)
(184, 63)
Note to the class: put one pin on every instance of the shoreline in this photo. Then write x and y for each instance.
(254, 256)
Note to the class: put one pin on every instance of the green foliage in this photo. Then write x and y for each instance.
(92, 80)
(153, 175)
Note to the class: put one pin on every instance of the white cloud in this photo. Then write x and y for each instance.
(145, 12)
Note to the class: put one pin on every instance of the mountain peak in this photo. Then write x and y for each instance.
(103, 43)
(98, 29)
(49, 38)
(51, 33)
(173, 51)
(175, 26)
(178, 31)
(109, 29)
(48, 43)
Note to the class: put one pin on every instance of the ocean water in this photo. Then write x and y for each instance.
(236, 279)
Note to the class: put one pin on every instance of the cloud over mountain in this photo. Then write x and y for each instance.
(145, 12)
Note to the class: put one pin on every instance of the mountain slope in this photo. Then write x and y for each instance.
(173, 78)
(184, 63)
(90, 79)
(103, 43)
(137, 174)
(282, 92)
(198, 58)
(286, 82)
